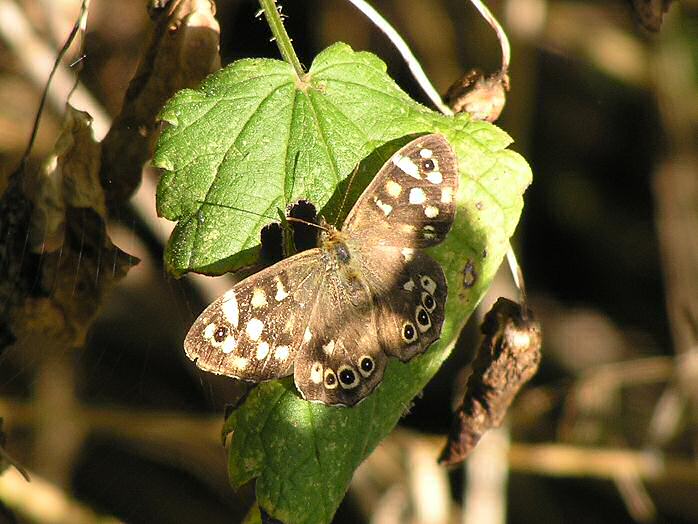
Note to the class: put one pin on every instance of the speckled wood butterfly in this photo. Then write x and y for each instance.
(332, 315)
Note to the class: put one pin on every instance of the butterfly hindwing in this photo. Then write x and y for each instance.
(410, 317)
(340, 360)
(409, 289)
(343, 365)
(411, 201)
(254, 331)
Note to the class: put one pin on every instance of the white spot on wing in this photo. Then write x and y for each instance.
(259, 298)
(229, 344)
(230, 308)
(280, 290)
(307, 335)
(316, 373)
(386, 208)
(425, 153)
(209, 330)
(407, 253)
(262, 350)
(428, 284)
(328, 348)
(393, 188)
(417, 195)
(431, 211)
(446, 195)
(254, 328)
(435, 177)
(409, 285)
(281, 353)
(406, 165)
(239, 362)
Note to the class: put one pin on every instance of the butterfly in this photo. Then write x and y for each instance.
(333, 315)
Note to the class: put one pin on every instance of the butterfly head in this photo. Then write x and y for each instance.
(335, 248)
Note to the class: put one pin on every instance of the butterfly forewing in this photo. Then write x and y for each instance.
(253, 332)
(411, 201)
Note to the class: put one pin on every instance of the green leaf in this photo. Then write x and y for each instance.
(254, 138)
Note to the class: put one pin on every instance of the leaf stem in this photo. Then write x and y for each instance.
(283, 41)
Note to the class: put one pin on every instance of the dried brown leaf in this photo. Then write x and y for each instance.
(68, 177)
(483, 97)
(182, 50)
(60, 262)
(508, 358)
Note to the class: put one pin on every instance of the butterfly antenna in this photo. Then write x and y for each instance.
(346, 194)
(289, 219)
(307, 223)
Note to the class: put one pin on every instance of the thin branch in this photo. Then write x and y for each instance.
(560, 460)
(37, 58)
(544, 459)
(636, 498)
(283, 41)
(41, 501)
(78, 26)
(404, 50)
(517, 275)
(501, 34)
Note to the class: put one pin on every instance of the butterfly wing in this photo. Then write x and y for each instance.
(409, 205)
(411, 201)
(394, 308)
(409, 290)
(254, 331)
(345, 363)
(340, 360)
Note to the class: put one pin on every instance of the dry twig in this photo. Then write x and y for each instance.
(507, 359)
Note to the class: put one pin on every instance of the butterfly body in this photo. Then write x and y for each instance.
(332, 315)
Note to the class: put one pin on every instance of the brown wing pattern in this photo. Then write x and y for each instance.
(409, 290)
(254, 331)
(343, 364)
(340, 359)
(411, 201)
